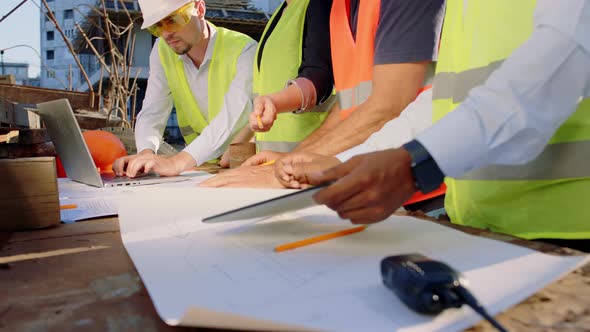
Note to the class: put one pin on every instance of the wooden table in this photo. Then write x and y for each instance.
(79, 277)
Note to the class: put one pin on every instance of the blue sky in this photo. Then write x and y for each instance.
(21, 27)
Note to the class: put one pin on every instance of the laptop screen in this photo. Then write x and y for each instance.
(69, 142)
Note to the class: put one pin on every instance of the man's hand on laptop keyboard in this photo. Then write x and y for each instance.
(146, 161)
(120, 165)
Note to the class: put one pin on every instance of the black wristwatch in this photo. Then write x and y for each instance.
(427, 174)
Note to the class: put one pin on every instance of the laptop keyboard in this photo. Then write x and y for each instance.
(112, 177)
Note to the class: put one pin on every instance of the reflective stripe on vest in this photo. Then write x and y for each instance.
(353, 56)
(281, 58)
(557, 161)
(349, 98)
(222, 69)
(187, 131)
(456, 86)
(542, 198)
(277, 146)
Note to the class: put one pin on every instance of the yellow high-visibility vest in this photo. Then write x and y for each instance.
(281, 58)
(222, 70)
(544, 198)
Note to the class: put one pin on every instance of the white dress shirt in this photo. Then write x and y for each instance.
(510, 118)
(232, 117)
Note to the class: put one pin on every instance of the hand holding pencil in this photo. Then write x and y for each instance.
(264, 114)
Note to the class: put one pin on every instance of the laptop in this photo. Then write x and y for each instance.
(74, 154)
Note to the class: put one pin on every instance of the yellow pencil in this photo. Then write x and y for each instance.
(270, 162)
(68, 207)
(260, 125)
(320, 238)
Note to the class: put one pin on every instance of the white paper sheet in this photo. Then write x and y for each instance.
(227, 275)
(92, 202)
(88, 208)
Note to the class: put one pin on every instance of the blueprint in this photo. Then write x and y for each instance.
(227, 275)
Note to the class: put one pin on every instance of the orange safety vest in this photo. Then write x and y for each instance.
(352, 58)
(353, 61)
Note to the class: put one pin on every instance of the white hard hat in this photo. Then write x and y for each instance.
(155, 10)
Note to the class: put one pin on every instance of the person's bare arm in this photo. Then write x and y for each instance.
(394, 87)
(267, 107)
(331, 122)
(244, 135)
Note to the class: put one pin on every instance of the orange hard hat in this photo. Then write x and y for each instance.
(105, 148)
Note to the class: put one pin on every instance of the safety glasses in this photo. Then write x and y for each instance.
(173, 22)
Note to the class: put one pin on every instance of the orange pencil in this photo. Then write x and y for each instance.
(320, 238)
(260, 125)
(68, 207)
(270, 162)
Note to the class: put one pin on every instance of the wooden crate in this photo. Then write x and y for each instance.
(29, 197)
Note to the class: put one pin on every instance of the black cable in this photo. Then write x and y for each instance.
(471, 301)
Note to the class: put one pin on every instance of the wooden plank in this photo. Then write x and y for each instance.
(79, 277)
(95, 121)
(13, 151)
(29, 197)
(34, 95)
(81, 280)
(10, 137)
(24, 116)
(28, 136)
(7, 79)
(21, 115)
(92, 226)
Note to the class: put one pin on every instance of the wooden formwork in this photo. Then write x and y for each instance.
(33, 95)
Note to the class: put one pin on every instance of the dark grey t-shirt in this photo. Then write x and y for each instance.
(408, 29)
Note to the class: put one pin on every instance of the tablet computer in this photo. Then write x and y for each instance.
(294, 201)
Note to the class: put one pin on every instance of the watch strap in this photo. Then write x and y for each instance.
(427, 175)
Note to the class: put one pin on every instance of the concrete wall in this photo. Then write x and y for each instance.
(55, 72)
(19, 70)
(143, 47)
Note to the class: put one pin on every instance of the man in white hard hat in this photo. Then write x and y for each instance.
(205, 72)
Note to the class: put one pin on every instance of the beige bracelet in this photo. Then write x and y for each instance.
(303, 106)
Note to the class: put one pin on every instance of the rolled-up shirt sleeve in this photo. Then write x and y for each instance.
(233, 116)
(157, 105)
(509, 119)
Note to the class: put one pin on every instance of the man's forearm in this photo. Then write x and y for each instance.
(414, 119)
(183, 161)
(351, 132)
(330, 123)
(394, 87)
